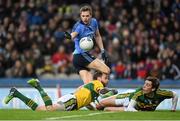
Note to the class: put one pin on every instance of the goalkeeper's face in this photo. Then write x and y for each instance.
(85, 17)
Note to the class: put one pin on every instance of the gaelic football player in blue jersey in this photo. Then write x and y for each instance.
(83, 61)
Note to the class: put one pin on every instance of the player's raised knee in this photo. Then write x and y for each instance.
(107, 70)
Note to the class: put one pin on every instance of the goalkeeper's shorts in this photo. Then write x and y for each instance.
(69, 102)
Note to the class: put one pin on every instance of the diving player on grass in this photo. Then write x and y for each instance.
(146, 98)
(80, 98)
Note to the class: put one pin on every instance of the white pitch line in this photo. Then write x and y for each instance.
(75, 116)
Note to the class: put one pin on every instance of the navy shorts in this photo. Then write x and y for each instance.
(81, 61)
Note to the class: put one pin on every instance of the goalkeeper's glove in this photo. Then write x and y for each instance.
(67, 35)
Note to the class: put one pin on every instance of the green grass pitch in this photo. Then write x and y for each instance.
(14, 114)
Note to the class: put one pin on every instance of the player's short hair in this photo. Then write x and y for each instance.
(86, 8)
(155, 81)
(97, 74)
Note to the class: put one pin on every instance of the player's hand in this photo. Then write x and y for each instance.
(67, 35)
(104, 56)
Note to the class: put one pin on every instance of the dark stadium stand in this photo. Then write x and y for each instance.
(142, 37)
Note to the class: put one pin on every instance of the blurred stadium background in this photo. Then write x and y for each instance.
(142, 38)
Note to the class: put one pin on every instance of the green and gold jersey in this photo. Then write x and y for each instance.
(123, 95)
(88, 93)
(149, 102)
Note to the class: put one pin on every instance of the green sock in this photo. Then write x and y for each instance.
(47, 100)
(29, 102)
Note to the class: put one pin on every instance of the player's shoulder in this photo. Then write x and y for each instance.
(139, 89)
(138, 92)
(96, 82)
(93, 20)
(164, 92)
(78, 24)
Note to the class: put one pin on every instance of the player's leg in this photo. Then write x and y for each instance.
(54, 107)
(120, 108)
(109, 101)
(80, 62)
(86, 76)
(120, 100)
(99, 65)
(15, 93)
(47, 100)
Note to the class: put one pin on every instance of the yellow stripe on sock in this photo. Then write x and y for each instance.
(30, 103)
(46, 98)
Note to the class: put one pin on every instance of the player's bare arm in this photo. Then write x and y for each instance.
(99, 40)
(73, 35)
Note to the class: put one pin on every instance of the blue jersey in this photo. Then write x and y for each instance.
(84, 31)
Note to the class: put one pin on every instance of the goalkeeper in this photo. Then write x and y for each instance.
(146, 98)
(83, 96)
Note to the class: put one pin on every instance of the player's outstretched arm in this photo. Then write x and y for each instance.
(174, 101)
